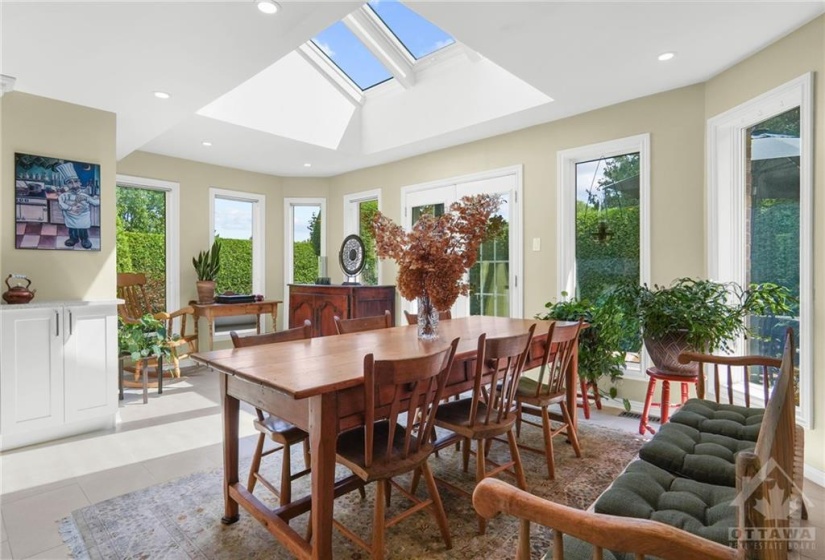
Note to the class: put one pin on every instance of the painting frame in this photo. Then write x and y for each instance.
(57, 203)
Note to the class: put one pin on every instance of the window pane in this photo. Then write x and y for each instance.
(773, 159)
(141, 239)
(607, 227)
(366, 211)
(490, 276)
(306, 236)
(419, 36)
(233, 226)
(349, 54)
(434, 209)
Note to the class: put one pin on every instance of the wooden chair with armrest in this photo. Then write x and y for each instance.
(491, 410)
(535, 396)
(131, 288)
(412, 318)
(390, 443)
(361, 324)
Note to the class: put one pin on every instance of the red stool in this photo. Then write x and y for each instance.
(656, 374)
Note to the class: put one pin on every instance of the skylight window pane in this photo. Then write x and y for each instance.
(349, 54)
(418, 35)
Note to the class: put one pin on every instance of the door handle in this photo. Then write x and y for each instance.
(56, 323)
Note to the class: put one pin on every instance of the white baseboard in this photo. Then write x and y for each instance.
(815, 475)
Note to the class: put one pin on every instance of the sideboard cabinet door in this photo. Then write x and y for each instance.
(31, 384)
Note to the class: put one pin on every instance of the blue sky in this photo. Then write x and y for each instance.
(233, 218)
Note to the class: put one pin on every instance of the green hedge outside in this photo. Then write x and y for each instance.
(236, 267)
(305, 263)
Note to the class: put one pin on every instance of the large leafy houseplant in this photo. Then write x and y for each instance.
(599, 343)
(702, 315)
(145, 338)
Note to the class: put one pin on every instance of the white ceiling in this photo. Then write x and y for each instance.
(513, 58)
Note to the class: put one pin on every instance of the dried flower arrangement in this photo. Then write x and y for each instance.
(433, 257)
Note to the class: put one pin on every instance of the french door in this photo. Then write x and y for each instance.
(495, 279)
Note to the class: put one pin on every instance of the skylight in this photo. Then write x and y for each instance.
(349, 54)
(419, 36)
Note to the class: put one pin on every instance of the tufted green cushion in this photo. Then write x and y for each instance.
(645, 491)
(729, 420)
(685, 451)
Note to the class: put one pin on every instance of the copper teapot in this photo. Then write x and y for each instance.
(18, 293)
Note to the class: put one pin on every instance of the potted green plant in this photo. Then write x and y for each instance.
(599, 343)
(144, 338)
(695, 314)
(207, 265)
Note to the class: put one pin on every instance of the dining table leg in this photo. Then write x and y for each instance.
(323, 434)
(231, 412)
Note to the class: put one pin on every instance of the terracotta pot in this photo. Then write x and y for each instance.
(664, 352)
(206, 291)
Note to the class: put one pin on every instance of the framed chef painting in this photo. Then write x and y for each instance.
(57, 203)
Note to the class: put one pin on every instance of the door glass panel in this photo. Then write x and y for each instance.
(366, 211)
(306, 239)
(141, 239)
(490, 275)
(234, 226)
(773, 183)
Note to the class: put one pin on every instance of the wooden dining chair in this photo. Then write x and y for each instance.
(268, 425)
(491, 410)
(360, 324)
(131, 288)
(390, 443)
(412, 318)
(535, 396)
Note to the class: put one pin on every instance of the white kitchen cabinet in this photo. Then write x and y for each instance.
(58, 370)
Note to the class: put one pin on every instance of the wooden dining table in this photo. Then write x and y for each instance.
(317, 384)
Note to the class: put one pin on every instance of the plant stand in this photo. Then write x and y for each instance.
(142, 365)
(586, 397)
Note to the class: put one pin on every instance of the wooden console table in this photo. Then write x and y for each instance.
(212, 310)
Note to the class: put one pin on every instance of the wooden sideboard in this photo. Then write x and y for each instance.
(320, 303)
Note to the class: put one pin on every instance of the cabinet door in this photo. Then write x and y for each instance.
(301, 308)
(31, 370)
(326, 308)
(90, 361)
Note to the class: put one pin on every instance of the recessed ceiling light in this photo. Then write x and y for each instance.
(162, 95)
(666, 56)
(307, 165)
(268, 6)
(206, 143)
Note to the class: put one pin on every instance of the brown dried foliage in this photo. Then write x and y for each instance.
(433, 257)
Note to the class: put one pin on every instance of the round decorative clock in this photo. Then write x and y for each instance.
(351, 258)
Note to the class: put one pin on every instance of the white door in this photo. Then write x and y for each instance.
(90, 361)
(31, 376)
(494, 280)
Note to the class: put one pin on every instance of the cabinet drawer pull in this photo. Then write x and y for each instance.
(56, 323)
(70, 323)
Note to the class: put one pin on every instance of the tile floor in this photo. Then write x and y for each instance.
(175, 434)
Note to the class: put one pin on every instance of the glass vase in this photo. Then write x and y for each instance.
(427, 319)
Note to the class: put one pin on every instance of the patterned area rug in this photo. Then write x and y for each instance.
(181, 519)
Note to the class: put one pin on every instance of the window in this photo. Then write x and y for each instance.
(236, 221)
(760, 213)
(495, 285)
(350, 55)
(305, 235)
(416, 34)
(147, 236)
(359, 209)
(604, 222)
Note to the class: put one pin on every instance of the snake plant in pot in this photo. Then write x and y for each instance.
(696, 314)
(207, 265)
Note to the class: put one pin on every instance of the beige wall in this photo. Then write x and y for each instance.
(40, 126)
(801, 52)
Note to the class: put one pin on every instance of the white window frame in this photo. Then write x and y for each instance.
(727, 220)
(566, 181)
(172, 191)
(516, 233)
(258, 239)
(352, 215)
(289, 205)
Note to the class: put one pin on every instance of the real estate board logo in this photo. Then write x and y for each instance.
(779, 508)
